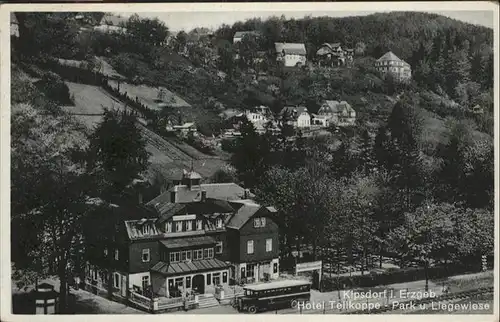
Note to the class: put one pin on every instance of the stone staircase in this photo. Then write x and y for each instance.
(207, 300)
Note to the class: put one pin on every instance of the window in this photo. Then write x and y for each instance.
(269, 244)
(199, 225)
(224, 277)
(105, 252)
(117, 253)
(208, 253)
(175, 257)
(188, 255)
(275, 268)
(178, 226)
(250, 247)
(168, 227)
(256, 222)
(219, 222)
(116, 280)
(145, 282)
(94, 275)
(209, 279)
(243, 272)
(250, 270)
(198, 254)
(189, 225)
(216, 278)
(263, 219)
(218, 248)
(188, 281)
(179, 282)
(145, 255)
(145, 230)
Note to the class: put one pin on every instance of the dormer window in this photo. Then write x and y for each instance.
(168, 227)
(189, 225)
(178, 226)
(146, 230)
(219, 222)
(199, 224)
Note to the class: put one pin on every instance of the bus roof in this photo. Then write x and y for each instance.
(276, 284)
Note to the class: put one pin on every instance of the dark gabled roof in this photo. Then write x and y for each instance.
(189, 267)
(220, 191)
(290, 110)
(246, 210)
(335, 107)
(188, 242)
(241, 34)
(209, 206)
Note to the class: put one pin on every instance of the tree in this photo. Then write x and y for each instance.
(46, 152)
(427, 236)
(360, 48)
(145, 31)
(180, 41)
(247, 49)
(117, 159)
(250, 156)
(117, 152)
(47, 35)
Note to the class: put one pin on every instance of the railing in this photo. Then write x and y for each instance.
(141, 301)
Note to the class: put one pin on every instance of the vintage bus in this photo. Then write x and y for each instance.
(274, 295)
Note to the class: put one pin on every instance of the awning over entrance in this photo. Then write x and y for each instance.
(188, 242)
(189, 267)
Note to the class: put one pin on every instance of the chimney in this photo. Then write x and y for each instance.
(203, 196)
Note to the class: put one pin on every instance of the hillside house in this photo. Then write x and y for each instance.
(290, 54)
(320, 120)
(338, 113)
(111, 23)
(330, 54)
(391, 64)
(238, 36)
(14, 25)
(185, 129)
(296, 116)
(194, 237)
(259, 116)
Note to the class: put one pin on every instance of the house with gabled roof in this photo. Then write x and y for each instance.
(296, 116)
(390, 64)
(238, 36)
(291, 54)
(338, 113)
(192, 239)
(112, 23)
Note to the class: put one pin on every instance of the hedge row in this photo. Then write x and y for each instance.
(392, 277)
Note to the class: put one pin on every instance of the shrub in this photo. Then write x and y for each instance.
(54, 88)
(393, 277)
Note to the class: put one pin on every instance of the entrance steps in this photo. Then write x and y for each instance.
(207, 300)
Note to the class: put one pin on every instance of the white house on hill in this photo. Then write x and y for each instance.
(297, 116)
(291, 54)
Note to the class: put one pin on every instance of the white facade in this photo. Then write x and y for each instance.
(320, 120)
(304, 120)
(291, 60)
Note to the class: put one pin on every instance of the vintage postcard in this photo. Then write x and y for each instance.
(248, 159)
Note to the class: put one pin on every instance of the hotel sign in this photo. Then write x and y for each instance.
(309, 266)
(184, 217)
